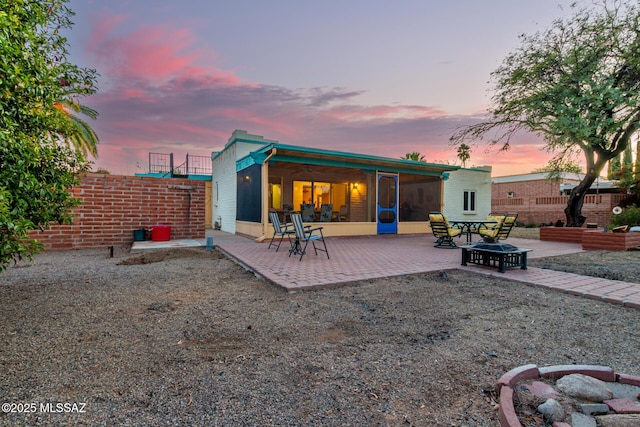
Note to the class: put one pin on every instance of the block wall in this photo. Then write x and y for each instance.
(539, 202)
(113, 206)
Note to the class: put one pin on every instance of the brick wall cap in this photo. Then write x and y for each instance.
(521, 373)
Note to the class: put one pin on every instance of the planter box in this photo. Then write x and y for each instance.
(592, 239)
(562, 234)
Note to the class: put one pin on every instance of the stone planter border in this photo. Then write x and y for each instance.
(507, 413)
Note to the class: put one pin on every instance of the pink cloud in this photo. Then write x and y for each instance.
(155, 52)
(162, 94)
(386, 112)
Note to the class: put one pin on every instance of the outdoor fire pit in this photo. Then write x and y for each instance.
(498, 255)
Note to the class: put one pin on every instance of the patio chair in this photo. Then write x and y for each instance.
(326, 211)
(308, 212)
(344, 212)
(442, 231)
(501, 230)
(279, 229)
(304, 235)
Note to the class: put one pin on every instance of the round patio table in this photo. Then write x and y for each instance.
(469, 226)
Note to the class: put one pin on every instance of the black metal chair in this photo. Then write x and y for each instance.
(279, 229)
(501, 231)
(442, 231)
(304, 235)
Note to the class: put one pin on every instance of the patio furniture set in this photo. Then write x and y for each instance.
(302, 234)
(489, 251)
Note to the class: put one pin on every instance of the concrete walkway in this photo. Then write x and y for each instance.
(360, 258)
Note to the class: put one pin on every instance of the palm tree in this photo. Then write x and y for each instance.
(464, 154)
(82, 137)
(414, 156)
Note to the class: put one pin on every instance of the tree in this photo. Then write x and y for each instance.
(464, 154)
(556, 166)
(414, 156)
(82, 137)
(37, 168)
(577, 85)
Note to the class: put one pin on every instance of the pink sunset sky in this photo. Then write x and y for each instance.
(372, 77)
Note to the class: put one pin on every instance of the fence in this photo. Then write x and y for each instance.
(193, 165)
(115, 205)
(545, 210)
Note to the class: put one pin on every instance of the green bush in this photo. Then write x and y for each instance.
(629, 216)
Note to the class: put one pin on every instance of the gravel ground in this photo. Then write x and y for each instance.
(617, 265)
(186, 337)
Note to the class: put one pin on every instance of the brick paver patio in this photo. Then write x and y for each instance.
(361, 258)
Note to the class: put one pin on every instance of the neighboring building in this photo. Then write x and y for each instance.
(367, 194)
(539, 200)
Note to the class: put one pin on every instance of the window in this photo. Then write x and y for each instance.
(249, 199)
(418, 195)
(469, 202)
(319, 193)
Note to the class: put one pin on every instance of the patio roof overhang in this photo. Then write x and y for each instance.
(282, 153)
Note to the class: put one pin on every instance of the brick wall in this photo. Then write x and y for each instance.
(539, 201)
(115, 205)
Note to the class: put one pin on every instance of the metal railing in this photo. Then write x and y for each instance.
(194, 165)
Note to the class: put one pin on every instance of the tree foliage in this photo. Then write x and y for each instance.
(464, 154)
(82, 136)
(577, 85)
(415, 155)
(557, 166)
(37, 166)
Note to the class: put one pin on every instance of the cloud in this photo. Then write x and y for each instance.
(161, 94)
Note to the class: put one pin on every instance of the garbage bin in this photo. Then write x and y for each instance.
(139, 235)
(161, 233)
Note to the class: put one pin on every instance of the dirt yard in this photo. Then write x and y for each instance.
(186, 337)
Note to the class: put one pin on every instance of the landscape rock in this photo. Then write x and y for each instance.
(582, 420)
(621, 391)
(624, 405)
(584, 387)
(593, 408)
(542, 390)
(619, 420)
(552, 410)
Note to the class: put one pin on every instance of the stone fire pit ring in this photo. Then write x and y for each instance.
(506, 384)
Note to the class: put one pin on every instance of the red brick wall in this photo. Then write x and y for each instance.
(539, 201)
(115, 205)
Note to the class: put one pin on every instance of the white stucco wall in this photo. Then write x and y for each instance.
(473, 179)
(224, 189)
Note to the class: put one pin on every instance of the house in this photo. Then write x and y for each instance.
(361, 194)
(539, 200)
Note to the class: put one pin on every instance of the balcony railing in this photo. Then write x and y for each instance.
(194, 165)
